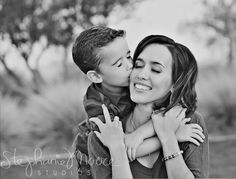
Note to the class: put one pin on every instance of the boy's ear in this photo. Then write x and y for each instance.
(94, 76)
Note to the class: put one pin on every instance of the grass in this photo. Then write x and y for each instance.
(223, 159)
(222, 165)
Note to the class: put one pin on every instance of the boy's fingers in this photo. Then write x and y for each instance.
(199, 133)
(196, 126)
(195, 136)
(97, 121)
(194, 141)
(106, 113)
(176, 109)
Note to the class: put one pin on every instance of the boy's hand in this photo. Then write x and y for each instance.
(189, 132)
(132, 141)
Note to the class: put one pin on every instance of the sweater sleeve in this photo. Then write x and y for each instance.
(197, 157)
(99, 157)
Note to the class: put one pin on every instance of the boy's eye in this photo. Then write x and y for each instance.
(119, 65)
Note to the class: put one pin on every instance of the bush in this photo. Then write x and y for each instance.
(217, 98)
(47, 120)
(12, 124)
(54, 114)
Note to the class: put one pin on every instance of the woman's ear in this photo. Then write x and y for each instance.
(94, 76)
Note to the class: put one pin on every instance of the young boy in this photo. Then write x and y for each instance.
(103, 55)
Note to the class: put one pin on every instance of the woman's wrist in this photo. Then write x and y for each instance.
(118, 153)
(118, 147)
(167, 137)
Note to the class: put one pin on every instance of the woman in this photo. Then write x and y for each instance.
(164, 76)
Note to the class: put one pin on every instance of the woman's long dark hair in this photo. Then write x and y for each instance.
(184, 73)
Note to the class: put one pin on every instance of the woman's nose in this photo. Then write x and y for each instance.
(143, 74)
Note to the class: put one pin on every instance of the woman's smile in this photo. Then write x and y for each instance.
(142, 87)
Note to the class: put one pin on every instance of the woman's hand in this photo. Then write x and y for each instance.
(111, 133)
(168, 124)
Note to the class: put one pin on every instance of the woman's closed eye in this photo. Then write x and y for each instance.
(156, 70)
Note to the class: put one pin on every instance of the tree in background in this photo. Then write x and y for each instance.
(50, 116)
(55, 21)
(219, 16)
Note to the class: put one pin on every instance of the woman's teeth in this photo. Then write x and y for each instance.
(142, 87)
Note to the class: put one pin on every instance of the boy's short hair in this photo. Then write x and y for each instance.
(86, 45)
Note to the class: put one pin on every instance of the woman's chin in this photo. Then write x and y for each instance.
(138, 99)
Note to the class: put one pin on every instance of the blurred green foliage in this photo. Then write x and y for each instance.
(219, 18)
(216, 90)
(51, 23)
(47, 121)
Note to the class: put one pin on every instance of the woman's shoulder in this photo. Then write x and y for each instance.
(196, 117)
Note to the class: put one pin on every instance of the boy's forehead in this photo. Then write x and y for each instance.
(114, 50)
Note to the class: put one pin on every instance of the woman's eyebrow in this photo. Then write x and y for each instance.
(158, 63)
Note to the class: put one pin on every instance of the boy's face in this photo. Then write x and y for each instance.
(116, 64)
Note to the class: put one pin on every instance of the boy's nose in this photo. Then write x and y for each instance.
(129, 64)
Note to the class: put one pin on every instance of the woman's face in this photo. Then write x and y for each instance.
(151, 77)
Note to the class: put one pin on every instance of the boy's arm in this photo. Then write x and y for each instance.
(146, 130)
(136, 136)
(135, 143)
(149, 145)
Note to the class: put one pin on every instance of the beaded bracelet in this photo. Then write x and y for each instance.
(172, 156)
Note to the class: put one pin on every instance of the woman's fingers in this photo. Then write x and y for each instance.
(120, 125)
(97, 121)
(129, 152)
(106, 114)
(182, 114)
(133, 154)
(176, 109)
(116, 121)
(98, 135)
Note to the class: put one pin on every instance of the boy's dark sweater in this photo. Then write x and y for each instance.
(118, 104)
